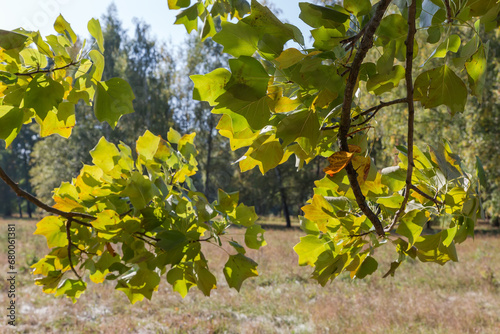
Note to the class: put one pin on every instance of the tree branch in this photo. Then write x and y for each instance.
(429, 197)
(373, 109)
(26, 195)
(411, 108)
(47, 71)
(70, 244)
(449, 15)
(345, 122)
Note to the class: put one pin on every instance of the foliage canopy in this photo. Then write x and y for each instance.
(132, 218)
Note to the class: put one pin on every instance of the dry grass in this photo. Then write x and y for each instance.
(459, 297)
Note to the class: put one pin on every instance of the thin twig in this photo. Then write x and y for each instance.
(429, 197)
(345, 122)
(68, 235)
(411, 109)
(46, 71)
(373, 109)
(350, 42)
(147, 236)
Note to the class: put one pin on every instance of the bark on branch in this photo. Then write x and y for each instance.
(411, 109)
(345, 122)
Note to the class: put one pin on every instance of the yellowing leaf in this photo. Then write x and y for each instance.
(285, 104)
(289, 57)
(53, 229)
(338, 161)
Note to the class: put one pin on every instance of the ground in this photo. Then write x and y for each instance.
(461, 297)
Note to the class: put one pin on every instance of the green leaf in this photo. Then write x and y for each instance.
(441, 86)
(206, 281)
(411, 225)
(430, 248)
(381, 83)
(392, 27)
(97, 65)
(254, 237)
(451, 43)
(71, 288)
(368, 267)
(301, 124)
(177, 4)
(105, 155)
(8, 78)
(309, 248)
(189, 17)
(173, 136)
(244, 215)
(172, 240)
(139, 284)
(476, 70)
(11, 119)
(358, 7)
(182, 278)
(394, 178)
(113, 99)
(319, 16)
(256, 113)
(54, 230)
(10, 40)
(210, 86)
(238, 268)
(94, 27)
(33, 58)
(481, 175)
(238, 39)
(147, 145)
(269, 154)
(61, 123)
(249, 79)
(140, 190)
(63, 27)
(43, 94)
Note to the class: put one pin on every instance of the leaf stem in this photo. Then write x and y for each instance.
(68, 236)
(50, 70)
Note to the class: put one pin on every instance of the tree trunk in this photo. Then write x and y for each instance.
(283, 198)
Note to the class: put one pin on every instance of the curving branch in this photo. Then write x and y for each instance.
(26, 195)
(345, 122)
(411, 110)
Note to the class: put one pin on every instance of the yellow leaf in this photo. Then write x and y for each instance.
(338, 161)
(354, 148)
(289, 57)
(362, 167)
(285, 104)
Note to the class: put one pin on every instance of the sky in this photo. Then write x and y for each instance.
(41, 14)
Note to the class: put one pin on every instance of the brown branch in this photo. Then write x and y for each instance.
(373, 109)
(350, 42)
(46, 71)
(429, 197)
(411, 109)
(146, 236)
(68, 236)
(449, 15)
(26, 195)
(345, 122)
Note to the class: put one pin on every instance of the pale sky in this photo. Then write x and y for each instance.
(41, 14)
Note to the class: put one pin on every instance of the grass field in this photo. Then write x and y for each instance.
(461, 297)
